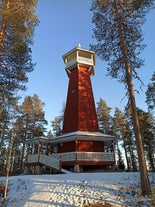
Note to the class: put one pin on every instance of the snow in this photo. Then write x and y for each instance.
(76, 189)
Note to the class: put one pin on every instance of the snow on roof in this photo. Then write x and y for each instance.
(81, 135)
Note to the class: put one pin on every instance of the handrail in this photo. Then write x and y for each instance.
(46, 160)
(54, 160)
(85, 156)
(50, 161)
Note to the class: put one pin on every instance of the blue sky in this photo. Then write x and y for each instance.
(64, 24)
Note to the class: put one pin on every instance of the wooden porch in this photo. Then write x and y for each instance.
(59, 161)
(74, 151)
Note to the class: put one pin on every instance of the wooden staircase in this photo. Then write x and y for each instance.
(49, 161)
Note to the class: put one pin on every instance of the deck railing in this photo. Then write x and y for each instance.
(54, 160)
(85, 156)
(95, 156)
(79, 59)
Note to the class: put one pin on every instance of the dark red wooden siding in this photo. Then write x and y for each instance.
(80, 113)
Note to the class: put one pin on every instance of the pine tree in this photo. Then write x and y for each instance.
(38, 116)
(57, 123)
(30, 122)
(57, 126)
(118, 34)
(104, 117)
(17, 23)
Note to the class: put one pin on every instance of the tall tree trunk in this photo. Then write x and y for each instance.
(145, 185)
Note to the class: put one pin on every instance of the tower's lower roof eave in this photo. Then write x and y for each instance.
(82, 135)
(72, 136)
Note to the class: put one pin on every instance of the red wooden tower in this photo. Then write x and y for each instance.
(80, 113)
(81, 146)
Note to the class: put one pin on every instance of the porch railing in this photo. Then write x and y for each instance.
(85, 156)
(54, 160)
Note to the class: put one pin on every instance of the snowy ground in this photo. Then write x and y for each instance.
(76, 190)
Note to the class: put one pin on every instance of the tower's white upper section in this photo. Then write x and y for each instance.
(79, 57)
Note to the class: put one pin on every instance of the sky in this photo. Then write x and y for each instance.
(120, 189)
(63, 25)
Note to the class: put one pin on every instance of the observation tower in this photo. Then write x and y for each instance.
(80, 112)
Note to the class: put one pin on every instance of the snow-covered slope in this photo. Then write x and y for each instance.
(76, 190)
